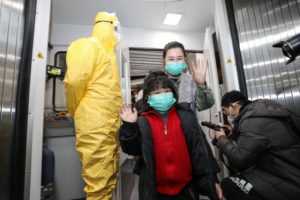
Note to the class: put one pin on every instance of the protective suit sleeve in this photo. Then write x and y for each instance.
(79, 71)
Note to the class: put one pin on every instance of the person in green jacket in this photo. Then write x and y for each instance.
(191, 88)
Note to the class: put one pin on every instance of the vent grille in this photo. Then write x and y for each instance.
(144, 60)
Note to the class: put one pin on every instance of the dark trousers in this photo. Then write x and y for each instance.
(189, 192)
(238, 188)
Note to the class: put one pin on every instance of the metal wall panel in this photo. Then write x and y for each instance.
(260, 24)
(11, 31)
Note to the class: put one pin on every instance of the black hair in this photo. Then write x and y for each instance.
(152, 74)
(232, 97)
(156, 80)
(173, 45)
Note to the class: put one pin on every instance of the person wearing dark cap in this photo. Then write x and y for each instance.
(265, 150)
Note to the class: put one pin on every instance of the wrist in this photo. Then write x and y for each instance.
(127, 124)
(201, 85)
(218, 135)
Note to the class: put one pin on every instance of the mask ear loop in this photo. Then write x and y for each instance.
(117, 26)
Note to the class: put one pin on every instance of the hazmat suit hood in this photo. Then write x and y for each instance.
(105, 25)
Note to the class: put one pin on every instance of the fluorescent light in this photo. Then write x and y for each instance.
(172, 19)
(161, 1)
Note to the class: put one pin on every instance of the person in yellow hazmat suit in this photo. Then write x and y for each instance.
(94, 100)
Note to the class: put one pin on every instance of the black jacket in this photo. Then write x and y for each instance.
(267, 150)
(136, 139)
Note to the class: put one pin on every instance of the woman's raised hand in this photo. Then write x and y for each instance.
(128, 114)
(199, 71)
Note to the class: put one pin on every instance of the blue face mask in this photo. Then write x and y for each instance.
(231, 119)
(161, 102)
(175, 68)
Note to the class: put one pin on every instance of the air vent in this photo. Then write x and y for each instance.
(144, 60)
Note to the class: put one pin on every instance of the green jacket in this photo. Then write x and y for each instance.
(204, 98)
(200, 98)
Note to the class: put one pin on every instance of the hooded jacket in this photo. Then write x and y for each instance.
(267, 150)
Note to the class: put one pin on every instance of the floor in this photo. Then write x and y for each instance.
(135, 193)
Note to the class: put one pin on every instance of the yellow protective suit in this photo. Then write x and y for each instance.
(94, 99)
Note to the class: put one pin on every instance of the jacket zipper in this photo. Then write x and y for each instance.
(165, 125)
(166, 131)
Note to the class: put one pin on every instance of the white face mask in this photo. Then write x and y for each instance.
(231, 119)
(117, 31)
(118, 36)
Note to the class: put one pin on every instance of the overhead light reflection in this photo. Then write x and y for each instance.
(6, 110)
(262, 63)
(14, 5)
(268, 39)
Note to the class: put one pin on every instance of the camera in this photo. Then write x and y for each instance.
(290, 47)
(216, 127)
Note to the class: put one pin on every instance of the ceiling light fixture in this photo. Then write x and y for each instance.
(172, 19)
(161, 1)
